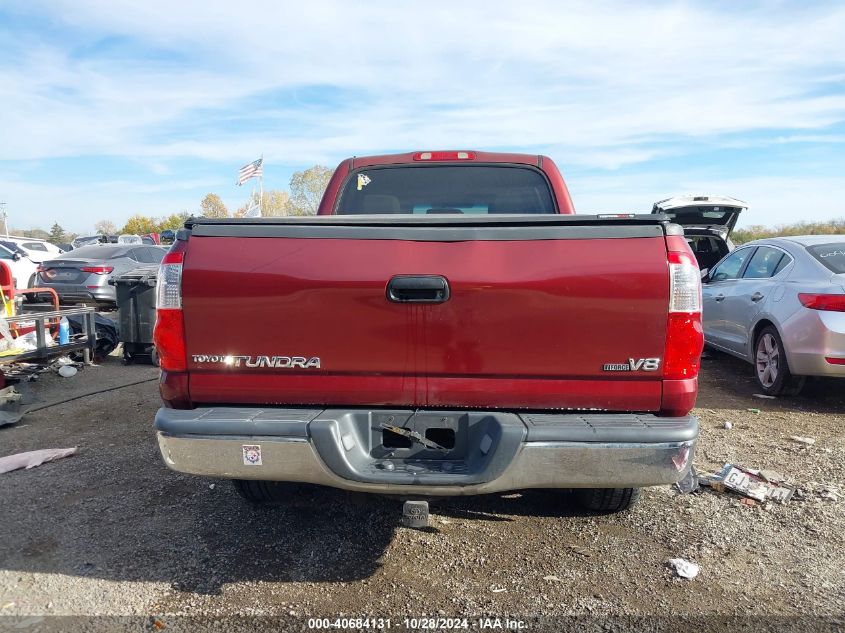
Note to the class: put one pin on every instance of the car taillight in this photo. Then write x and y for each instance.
(444, 156)
(40, 269)
(832, 303)
(169, 332)
(97, 270)
(684, 335)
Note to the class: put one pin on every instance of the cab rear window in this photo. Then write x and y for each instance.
(831, 255)
(446, 190)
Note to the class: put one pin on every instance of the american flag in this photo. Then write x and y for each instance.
(251, 170)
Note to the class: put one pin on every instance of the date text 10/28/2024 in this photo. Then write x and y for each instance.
(417, 624)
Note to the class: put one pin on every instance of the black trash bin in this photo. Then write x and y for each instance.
(136, 307)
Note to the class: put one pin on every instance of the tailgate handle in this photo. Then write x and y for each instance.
(418, 289)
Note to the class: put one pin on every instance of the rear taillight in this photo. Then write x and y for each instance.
(684, 283)
(97, 270)
(684, 335)
(169, 282)
(831, 303)
(40, 269)
(169, 333)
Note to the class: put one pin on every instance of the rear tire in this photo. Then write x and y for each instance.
(256, 491)
(771, 367)
(606, 500)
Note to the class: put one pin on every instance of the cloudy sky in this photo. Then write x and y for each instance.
(109, 108)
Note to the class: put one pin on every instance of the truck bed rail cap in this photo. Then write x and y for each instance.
(414, 233)
(428, 228)
(647, 219)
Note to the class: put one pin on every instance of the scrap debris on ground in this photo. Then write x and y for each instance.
(7, 417)
(807, 441)
(31, 371)
(31, 459)
(684, 568)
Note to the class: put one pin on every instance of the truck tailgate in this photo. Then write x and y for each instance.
(530, 322)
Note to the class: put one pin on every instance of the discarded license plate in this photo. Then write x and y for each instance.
(746, 484)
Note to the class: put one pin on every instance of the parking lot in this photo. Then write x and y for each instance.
(111, 531)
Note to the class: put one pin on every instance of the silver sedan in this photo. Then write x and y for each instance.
(83, 274)
(779, 304)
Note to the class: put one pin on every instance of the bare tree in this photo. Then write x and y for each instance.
(105, 227)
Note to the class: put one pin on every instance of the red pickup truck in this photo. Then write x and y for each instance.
(445, 326)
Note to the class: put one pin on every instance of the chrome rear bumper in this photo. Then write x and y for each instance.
(343, 449)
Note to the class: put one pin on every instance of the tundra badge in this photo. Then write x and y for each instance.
(281, 362)
(644, 364)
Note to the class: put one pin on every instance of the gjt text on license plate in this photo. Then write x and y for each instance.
(755, 488)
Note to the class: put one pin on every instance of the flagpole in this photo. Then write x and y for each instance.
(261, 188)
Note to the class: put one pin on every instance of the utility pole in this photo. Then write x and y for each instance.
(5, 218)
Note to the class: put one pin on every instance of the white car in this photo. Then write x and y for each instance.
(23, 268)
(37, 250)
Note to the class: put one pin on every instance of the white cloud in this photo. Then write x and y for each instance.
(597, 86)
(476, 74)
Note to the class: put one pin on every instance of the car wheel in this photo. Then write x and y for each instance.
(607, 499)
(771, 366)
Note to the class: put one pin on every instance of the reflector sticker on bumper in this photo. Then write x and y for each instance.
(252, 454)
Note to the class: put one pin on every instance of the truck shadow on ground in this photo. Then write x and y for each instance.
(158, 526)
(327, 535)
(506, 506)
(726, 382)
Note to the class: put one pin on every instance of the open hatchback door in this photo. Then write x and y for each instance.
(704, 212)
(708, 222)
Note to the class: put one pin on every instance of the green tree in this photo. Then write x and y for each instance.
(306, 190)
(105, 227)
(173, 221)
(212, 207)
(274, 204)
(139, 225)
(57, 234)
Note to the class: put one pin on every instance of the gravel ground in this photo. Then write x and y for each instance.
(112, 532)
